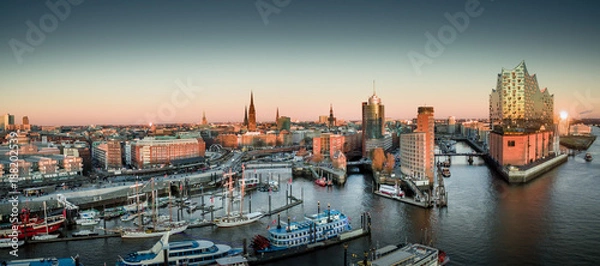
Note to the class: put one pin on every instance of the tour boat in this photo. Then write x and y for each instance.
(189, 252)
(588, 157)
(315, 228)
(407, 254)
(393, 191)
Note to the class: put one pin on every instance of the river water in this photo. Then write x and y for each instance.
(553, 220)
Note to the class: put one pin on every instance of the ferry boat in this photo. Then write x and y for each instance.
(52, 261)
(315, 228)
(588, 157)
(190, 252)
(408, 255)
(393, 191)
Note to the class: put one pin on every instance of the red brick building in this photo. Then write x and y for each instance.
(520, 148)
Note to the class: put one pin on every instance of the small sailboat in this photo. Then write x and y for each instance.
(47, 235)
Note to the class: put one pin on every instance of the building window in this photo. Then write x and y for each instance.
(511, 143)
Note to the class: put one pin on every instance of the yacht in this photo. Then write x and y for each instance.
(189, 252)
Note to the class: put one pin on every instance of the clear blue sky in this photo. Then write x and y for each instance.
(119, 62)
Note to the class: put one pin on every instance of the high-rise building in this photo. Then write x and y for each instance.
(451, 125)
(425, 124)
(8, 122)
(373, 119)
(252, 114)
(518, 101)
(521, 119)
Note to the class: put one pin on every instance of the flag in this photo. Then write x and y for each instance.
(274, 221)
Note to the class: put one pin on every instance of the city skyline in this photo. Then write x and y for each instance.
(124, 63)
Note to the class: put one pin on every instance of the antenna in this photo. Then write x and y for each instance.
(374, 90)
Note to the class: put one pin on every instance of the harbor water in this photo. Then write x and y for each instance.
(553, 220)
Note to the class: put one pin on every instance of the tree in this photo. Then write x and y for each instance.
(378, 158)
(390, 162)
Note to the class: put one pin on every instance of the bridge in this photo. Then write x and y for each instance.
(359, 162)
(462, 154)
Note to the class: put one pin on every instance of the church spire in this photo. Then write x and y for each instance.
(245, 115)
(251, 114)
(277, 115)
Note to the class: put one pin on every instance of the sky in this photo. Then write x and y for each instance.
(82, 62)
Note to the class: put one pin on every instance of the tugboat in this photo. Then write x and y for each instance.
(588, 157)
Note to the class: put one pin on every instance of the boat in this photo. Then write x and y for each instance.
(51, 261)
(47, 235)
(159, 230)
(10, 242)
(84, 232)
(87, 221)
(315, 228)
(239, 218)
(237, 260)
(407, 254)
(393, 191)
(189, 252)
(129, 217)
(31, 226)
(588, 157)
(445, 172)
(249, 182)
(156, 229)
(321, 181)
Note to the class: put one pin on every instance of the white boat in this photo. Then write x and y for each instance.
(190, 252)
(85, 233)
(409, 255)
(393, 191)
(47, 235)
(237, 219)
(87, 221)
(9, 243)
(249, 182)
(134, 207)
(160, 230)
(44, 237)
(129, 217)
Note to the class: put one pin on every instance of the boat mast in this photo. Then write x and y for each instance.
(242, 187)
(170, 209)
(230, 205)
(153, 205)
(137, 198)
(46, 218)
